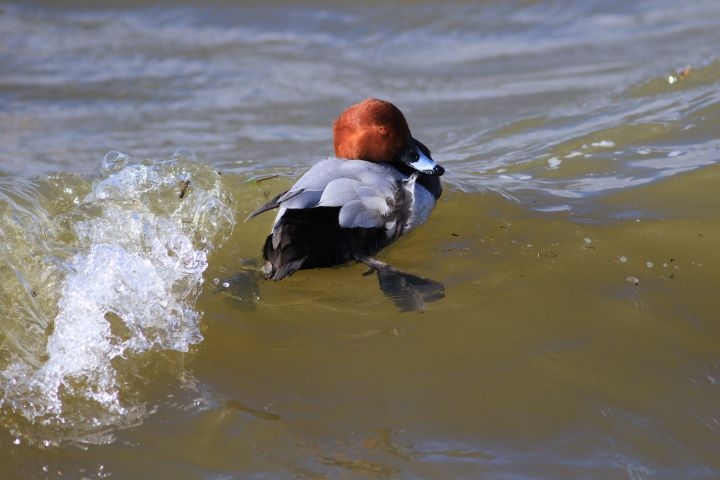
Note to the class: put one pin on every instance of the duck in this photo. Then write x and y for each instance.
(382, 184)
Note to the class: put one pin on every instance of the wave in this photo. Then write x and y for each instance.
(99, 277)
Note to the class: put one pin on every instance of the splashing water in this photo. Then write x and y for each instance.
(96, 278)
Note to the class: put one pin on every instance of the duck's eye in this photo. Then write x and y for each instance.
(383, 130)
(415, 156)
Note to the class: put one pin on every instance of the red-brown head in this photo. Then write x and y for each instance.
(376, 131)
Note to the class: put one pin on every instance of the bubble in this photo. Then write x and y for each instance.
(115, 160)
(184, 154)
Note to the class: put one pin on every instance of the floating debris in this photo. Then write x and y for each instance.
(681, 75)
(183, 188)
(263, 179)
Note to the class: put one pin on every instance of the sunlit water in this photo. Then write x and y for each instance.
(576, 239)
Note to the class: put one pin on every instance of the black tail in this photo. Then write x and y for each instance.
(313, 238)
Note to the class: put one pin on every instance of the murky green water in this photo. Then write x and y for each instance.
(576, 240)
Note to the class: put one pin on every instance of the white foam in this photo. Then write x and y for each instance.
(129, 290)
(554, 163)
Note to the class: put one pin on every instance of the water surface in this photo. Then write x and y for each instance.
(576, 239)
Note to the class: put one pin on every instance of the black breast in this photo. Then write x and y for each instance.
(432, 183)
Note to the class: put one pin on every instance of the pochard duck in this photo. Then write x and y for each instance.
(382, 185)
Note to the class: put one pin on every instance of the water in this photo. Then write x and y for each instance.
(93, 286)
(576, 239)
